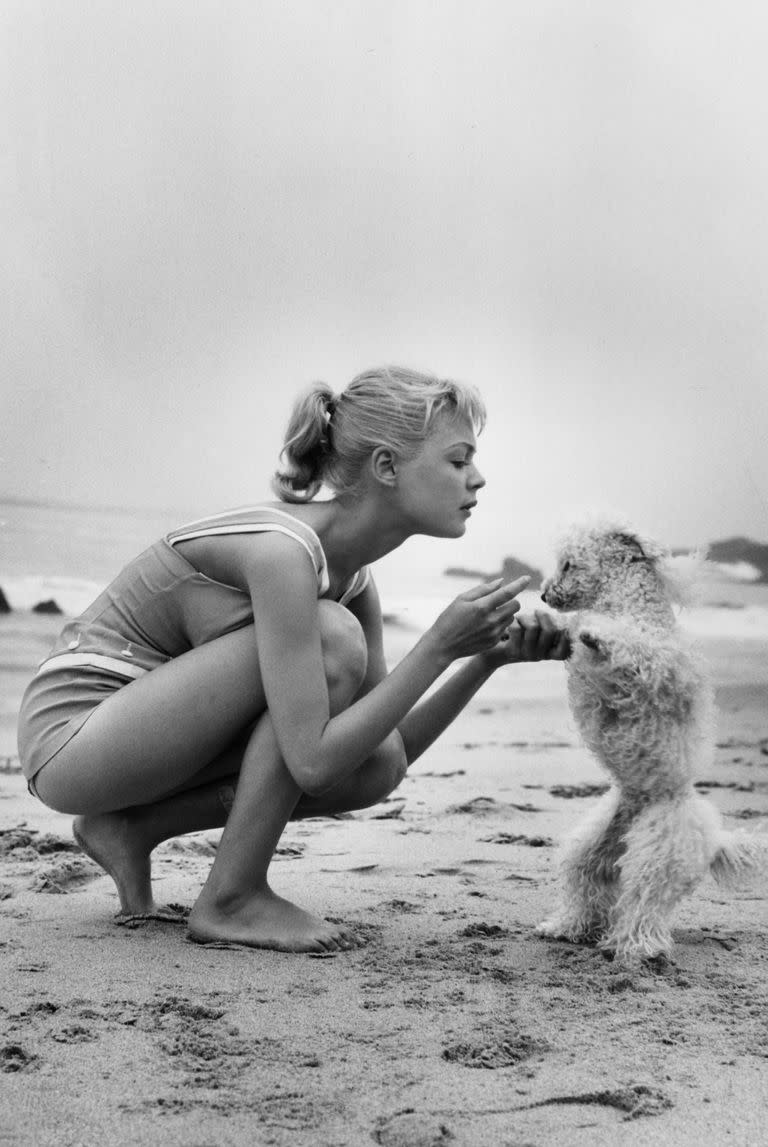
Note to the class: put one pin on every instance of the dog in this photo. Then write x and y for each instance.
(643, 703)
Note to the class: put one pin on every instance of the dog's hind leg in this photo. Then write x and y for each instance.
(668, 850)
(590, 875)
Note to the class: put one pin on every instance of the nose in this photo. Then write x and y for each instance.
(477, 481)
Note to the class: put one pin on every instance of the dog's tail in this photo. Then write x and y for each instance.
(739, 858)
(684, 576)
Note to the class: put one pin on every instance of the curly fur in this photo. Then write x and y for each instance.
(643, 703)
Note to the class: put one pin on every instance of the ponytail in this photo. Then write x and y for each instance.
(306, 446)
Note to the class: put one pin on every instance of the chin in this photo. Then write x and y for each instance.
(448, 528)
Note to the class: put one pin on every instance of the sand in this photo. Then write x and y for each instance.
(453, 1024)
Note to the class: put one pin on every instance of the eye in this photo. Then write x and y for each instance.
(566, 567)
(459, 464)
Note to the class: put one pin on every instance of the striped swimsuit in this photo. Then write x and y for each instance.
(157, 608)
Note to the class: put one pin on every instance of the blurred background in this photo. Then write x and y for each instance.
(207, 205)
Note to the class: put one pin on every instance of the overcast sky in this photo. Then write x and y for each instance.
(206, 205)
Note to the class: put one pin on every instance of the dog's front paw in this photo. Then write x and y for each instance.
(559, 928)
(650, 949)
(548, 928)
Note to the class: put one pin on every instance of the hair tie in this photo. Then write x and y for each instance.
(330, 410)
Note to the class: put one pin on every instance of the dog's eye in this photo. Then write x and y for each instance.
(566, 567)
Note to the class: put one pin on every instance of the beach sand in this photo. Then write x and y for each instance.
(453, 1024)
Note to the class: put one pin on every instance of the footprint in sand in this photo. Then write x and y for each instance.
(28, 843)
(401, 906)
(411, 1129)
(65, 875)
(483, 929)
(485, 806)
(452, 773)
(74, 1033)
(518, 838)
(579, 790)
(507, 1051)
(635, 1100)
(13, 1057)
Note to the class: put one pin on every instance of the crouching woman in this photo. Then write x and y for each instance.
(233, 674)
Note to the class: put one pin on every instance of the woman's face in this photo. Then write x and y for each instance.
(438, 487)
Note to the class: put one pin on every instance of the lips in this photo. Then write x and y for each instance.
(469, 506)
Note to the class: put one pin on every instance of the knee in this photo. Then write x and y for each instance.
(379, 777)
(345, 652)
(389, 777)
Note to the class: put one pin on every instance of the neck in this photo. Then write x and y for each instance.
(354, 534)
(643, 603)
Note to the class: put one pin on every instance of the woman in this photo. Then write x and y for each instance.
(234, 673)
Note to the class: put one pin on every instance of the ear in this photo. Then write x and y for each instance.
(630, 542)
(383, 464)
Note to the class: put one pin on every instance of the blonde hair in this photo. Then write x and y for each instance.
(329, 437)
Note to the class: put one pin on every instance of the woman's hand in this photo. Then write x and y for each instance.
(532, 637)
(476, 621)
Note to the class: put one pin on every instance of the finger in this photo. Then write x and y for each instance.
(504, 593)
(548, 635)
(561, 651)
(531, 636)
(504, 615)
(526, 620)
(514, 647)
(478, 591)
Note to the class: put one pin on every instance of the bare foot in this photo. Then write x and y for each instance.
(265, 920)
(110, 840)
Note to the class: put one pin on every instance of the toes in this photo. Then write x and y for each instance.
(329, 944)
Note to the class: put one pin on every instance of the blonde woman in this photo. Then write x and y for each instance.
(233, 674)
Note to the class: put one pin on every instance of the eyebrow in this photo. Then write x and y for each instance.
(467, 446)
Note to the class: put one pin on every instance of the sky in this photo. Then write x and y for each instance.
(208, 205)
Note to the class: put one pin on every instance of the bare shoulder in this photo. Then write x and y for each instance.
(238, 559)
(275, 561)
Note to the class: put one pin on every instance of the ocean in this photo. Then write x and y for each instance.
(69, 553)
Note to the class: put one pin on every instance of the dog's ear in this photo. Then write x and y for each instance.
(630, 542)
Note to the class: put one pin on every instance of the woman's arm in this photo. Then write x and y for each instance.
(530, 639)
(318, 750)
(534, 638)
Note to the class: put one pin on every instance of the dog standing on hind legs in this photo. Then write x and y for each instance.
(643, 704)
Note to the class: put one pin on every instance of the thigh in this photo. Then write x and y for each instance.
(155, 733)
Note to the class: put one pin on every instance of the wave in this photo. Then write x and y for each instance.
(734, 617)
(726, 618)
(72, 595)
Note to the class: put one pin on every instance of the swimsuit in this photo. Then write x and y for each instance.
(157, 608)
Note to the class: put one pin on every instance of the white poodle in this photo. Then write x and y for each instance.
(643, 704)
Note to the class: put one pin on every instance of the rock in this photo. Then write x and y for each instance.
(49, 606)
(511, 569)
(735, 550)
